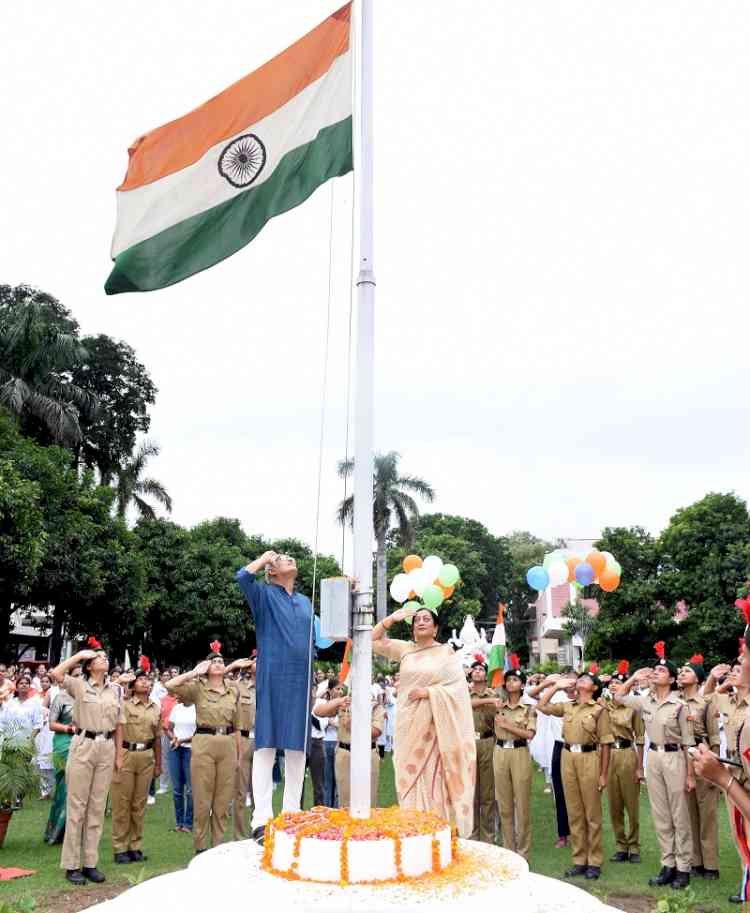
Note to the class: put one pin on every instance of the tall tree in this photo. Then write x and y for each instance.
(39, 350)
(525, 550)
(393, 504)
(124, 390)
(133, 489)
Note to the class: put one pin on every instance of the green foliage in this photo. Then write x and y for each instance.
(679, 902)
(22, 535)
(133, 488)
(579, 622)
(25, 904)
(525, 551)
(18, 773)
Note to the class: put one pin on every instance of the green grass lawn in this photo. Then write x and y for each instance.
(167, 851)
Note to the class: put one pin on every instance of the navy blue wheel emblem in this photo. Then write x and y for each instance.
(242, 160)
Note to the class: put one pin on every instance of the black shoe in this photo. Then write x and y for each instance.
(619, 857)
(736, 898)
(259, 834)
(698, 870)
(576, 871)
(593, 872)
(666, 876)
(122, 858)
(137, 856)
(635, 858)
(681, 880)
(75, 876)
(711, 874)
(93, 875)
(198, 852)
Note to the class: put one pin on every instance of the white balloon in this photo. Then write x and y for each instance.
(418, 580)
(608, 556)
(558, 573)
(400, 587)
(432, 566)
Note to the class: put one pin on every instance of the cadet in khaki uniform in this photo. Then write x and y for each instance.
(137, 762)
(625, 771)
(515, 726)
(245, 688)
(97, 711)
(670, 769)
(215, 745)
(341, 706)
(587, 737)
(484, 708)
(703, 801)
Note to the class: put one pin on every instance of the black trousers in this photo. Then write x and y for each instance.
(563, 828)
(317, 770)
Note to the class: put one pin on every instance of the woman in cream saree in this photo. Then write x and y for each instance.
(433, 746)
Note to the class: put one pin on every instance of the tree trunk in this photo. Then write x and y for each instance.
(56, 636)
(382, 578)
(6, 611)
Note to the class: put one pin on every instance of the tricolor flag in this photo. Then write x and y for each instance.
(201, 187)
(496, 659)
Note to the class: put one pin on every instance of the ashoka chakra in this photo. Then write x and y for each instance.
(242, 160)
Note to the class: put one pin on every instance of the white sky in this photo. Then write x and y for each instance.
(562, 202)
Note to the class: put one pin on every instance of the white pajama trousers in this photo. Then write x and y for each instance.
(294, 778)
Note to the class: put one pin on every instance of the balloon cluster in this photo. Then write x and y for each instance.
(564, 566)
(429, 579)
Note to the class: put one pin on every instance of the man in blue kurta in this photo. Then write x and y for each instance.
(284, 630)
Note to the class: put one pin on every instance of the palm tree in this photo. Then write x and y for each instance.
(39, 347)
(131, 488)
(391, 501)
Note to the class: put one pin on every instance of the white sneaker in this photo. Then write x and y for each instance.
(161, 790)
(151, 800)
(248, 802)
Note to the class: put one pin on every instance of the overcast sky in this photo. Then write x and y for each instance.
(562, 203)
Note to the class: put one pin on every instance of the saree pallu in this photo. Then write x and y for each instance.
(434, 750)
(55, 830)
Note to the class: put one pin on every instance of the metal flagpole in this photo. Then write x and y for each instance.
(361, 674)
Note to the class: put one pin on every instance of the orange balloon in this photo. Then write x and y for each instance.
(411, 562)
(412, 595)
(609, 581)
(598, 562)
(447, 591)
(572, 565)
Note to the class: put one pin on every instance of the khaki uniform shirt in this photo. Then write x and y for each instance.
(704, 723)
(484, 716)
(345, 722)
(626, 722)
(666, 722)
(246, 693)
(142, 720)
(522, 715)
(735, 711)
(583, 724)
(95, 709)
(212, 708)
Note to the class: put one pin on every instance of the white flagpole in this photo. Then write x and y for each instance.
(361, 677)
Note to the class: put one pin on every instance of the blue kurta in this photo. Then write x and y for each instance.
(284, 672)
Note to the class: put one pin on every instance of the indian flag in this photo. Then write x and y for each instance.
(496, 659)
(201, 187)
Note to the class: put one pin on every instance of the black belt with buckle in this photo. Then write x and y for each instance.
(214, 730)
(245, 733)
(489, 734)
(670, 746)
(511, 743)
(138, 746)
(88, 734)
(622, 743)
(579, 749)
(347, 746)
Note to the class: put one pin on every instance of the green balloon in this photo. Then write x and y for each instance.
(615, 567)
(412, 607)
(449, 575)
(432, 596)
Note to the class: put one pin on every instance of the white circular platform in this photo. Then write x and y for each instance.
(231, 874)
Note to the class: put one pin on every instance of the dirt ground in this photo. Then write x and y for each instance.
(635, 903)
(71, 901)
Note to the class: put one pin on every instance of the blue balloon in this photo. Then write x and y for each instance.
(585, 574)
(537, 578)
(322, 643)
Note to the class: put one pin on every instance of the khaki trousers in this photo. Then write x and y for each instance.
(342, 766)
(484, 792)
(213, 765)
(703, 803)
(241, 783)
(667, 775)
(580, 777)
(624, 795)
(512, 770)
(129, 794)
(88, 774)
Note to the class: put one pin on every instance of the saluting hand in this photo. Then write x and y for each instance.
(83, 655)
(201, 668)
(400, 615)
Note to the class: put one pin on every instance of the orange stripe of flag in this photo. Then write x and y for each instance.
(182, 142)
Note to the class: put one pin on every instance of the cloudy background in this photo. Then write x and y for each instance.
(562, 202)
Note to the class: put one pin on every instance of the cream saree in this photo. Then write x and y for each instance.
(433, 746)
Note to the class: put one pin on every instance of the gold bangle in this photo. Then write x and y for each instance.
(732, 779)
